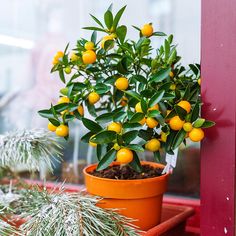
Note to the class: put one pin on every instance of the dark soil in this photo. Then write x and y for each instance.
(126, 172)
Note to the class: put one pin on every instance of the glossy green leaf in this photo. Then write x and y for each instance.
(95, 29)
(117, 17)
(128, 137)
(107, 117)
(135, 147)
(105, 136)
(160, 75)
(156, 98)
(133, 94)
(136, 164)
(97, 21)
(108, 18)
(180, 112)
(137, 117)
(106, 160)
(208, 124)
(196, 112)
(198, 123)
(87, 137)
(91, 125)
(54, 122)
(178, 139)
(121, 32)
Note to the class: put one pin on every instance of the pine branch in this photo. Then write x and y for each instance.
(30, 148)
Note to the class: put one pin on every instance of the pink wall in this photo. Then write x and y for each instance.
(218, 61)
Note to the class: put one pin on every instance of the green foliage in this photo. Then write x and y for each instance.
(155, 77)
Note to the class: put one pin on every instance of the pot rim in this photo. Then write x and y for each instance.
(128, 180)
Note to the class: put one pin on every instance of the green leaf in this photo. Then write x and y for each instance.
(133, 94)
(187, 93)
(94, 28)
(138, 78)
(135, 147)
(101, 88)
(46, 113)
(180, 112)
(178, 139)
(137, 117)
(62, 76)
(159, 34)
(121, 32)
(196, 112)
(156, 98)
(157, 156)
(131, 125)
(109, 44)
(117, 17)
(208, 124)
(54, 122)
(107, 117)
(172, 57)
(144, 105)
(168, 96)
(135, 27)
(194, 69)
(167, 49)
(119, 116)
(105, 136)
(145, 134)
(99, 152)
(94, 37)
(135, 163)
(130, 136)
(97, 21)
(107, 159)
(160, 75)
(122, 65)
(108, 18)
(87, 137)
(198, 123)
(153, 113)
(91, 125)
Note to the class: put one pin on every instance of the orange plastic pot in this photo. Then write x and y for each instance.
(138, 199)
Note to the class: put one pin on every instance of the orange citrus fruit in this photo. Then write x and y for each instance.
(93, 98)
(122, 83)
(124, 156)
(115, 126)
(123, 101)
(151, 122)
(89, 57)
(73, 57)
(80, 109)
(147, 30)
(196, 134)
(199, 81)
(153, 145)
(155, 107)
(176, 123)
(143, 121)
(62, 130)
(185, 105)
(89, 45)
(107, 37)
(187, 127)
(163, 137)
(138, 107)
(171, 74)
(51, 127)
(63, 100)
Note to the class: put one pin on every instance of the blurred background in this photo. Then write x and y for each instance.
(32, 31)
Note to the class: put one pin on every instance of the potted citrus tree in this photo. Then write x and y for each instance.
(139, 98)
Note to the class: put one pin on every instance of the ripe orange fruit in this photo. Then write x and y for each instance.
(93, 98)
(89, 45)
(155, 107)
(92, 143)
(185, 105)
(56, 58)
(176, 123)
(63, 100)
(124, 156)
(107, 37)
(151, 122)
(67, 70)
(171, 74)
(115, 126)
(196, 135)
(138, 107)
(163, 137)
(199, 81)
(80, 109)
(51, 127)
(122, 83)
(147, 30)
(73, 57)
(153, 145)
(62, 130)
(89, 57)
(187, 127)
(123, 101)
(143, 121)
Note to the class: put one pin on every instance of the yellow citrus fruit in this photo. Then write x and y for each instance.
(187, 127)
(153, 145)
(123, 101)
(138, 107)
(67, 70)
(59, 54)
(171, 74)
(196, 134)
(147, 30)
(80, 109)
(122, 83)
(143, 121)
(155, 107)
(55, 61)
(63, 100)
(92, 143)
(115, 126)
(116, 146)
(176, 123)
(151, 122)
(172, 87)
(199, 81)
(89, 57)
(89, 45)
(93, 98)
(107, 37)
(163, 137)
(185, 105)
(51, 127)
(62, 130)
(124, 156)
(73, 57)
